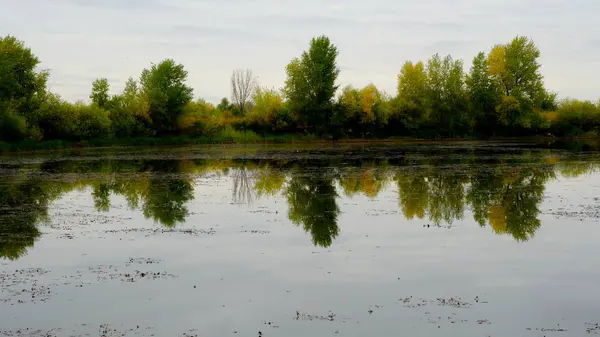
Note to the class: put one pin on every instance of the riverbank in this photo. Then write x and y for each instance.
(250, 138)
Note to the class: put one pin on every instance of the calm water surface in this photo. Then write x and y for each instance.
(466, 239)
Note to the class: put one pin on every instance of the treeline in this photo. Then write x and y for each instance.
(502, 94)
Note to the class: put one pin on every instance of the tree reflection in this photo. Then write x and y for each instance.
(369, 180)
(22, 206)
(243, 192)
(166, 201)
(509, 199)
(312, 204)
(160, 187)
(413, 193)
(503, 193)
(166, 193)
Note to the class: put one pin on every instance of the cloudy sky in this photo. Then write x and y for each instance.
(80, 40)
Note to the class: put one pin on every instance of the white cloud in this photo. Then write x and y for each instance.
(79, 40)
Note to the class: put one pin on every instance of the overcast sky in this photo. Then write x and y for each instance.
(80, 40)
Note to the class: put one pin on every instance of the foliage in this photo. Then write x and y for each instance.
(364, 110)
(447, 96)
(483, 95)
(92, 122)
(503, 94)
(310, 85)
(574, 117)
(412, 95)
(269, 112)
(99, 95)
(20, 84)
(164, 85)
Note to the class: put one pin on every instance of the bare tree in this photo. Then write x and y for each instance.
(243, 84)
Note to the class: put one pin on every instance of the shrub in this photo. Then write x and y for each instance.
(13, 126)
(92, 122)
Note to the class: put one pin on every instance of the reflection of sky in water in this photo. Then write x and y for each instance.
(251, 263)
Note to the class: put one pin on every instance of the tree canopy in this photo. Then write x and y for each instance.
(501, 94)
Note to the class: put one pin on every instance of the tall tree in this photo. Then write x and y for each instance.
(516, 68)
(484, 95)
(310, 84)
(164, 85)
(447, 96)
(412, 94)
(19, 81)
(99, 95)
(22, 89)
(243, 85)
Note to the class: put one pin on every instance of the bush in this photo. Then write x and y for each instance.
(92, 122)
(13, 126)
(229, 134)
(55, 118)
(584, 115)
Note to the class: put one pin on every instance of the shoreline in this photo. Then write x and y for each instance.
(32, 146)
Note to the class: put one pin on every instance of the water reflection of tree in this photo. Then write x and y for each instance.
(446, 195)
(269, 180)
(509, 198)
(161, 187)
(22, 206)
(437, 193)
(506, 197)
(504, 194)
(369, 179)
(312, 204)
(243, 192)
(413, 193)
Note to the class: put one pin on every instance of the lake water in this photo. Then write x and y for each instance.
(407, 239)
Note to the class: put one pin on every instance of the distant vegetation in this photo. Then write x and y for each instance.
(502, 94)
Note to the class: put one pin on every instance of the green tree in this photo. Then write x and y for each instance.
(516, 69)
(224, 105)
(412, 95)
(523, 67)
(129, 112)
(99, 95)
(19, 81)
(164, 86)
(365, 110)
(92, 122)
(21, 88)
(310, 84)
(447, 96)
(268, 111)
(484, 95)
